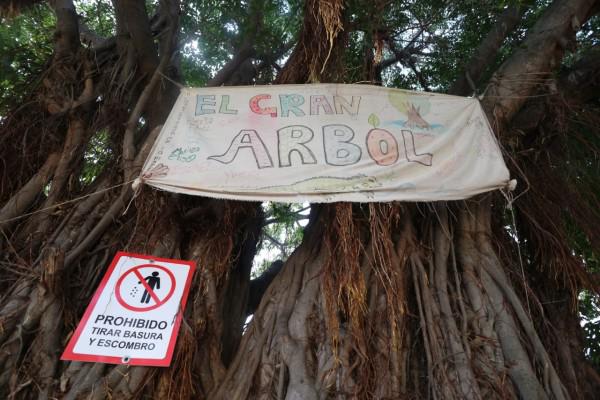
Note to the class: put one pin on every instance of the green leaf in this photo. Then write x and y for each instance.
(374, 120)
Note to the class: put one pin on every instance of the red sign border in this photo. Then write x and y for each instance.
(68, 354)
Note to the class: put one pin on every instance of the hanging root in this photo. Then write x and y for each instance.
(311, 59)
(330, 13)
(344, 285)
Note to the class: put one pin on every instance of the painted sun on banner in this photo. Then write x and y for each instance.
(325, 143)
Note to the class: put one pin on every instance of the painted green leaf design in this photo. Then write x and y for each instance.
(374, 120)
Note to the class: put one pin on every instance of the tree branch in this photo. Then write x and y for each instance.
(275, 241)
(487, 50)
(296, 216)
(539, 54)
(579, 84)
(112, 213)
(21, 201)
(87, 35)
(66, 36)
(259, 286)
(411, 63)
(246, 50)
(128, 138)
(404, 56)
(132, 18)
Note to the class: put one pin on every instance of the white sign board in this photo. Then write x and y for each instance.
(325, 143)
(135, 313)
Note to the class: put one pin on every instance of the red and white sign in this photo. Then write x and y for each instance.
(135, 313)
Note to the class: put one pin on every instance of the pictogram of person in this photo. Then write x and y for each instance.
(153, 281)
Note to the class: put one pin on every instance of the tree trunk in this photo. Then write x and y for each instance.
(381, 300)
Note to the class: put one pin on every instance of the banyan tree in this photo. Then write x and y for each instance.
(474, 299)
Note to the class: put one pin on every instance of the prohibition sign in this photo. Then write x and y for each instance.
(157, 300)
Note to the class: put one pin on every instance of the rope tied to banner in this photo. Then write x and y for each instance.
(158, 171)
(65, 202)
(507, 192)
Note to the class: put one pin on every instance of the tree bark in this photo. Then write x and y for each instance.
(379, 301)
(488, 49)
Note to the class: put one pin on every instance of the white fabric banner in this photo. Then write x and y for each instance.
(325, 143)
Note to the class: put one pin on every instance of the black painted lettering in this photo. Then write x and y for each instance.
(246, 139)
(292, 139)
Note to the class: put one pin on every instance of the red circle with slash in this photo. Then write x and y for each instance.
(157, 300)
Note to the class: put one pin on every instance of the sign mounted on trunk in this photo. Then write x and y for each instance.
(325, 143)
(135, 313)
